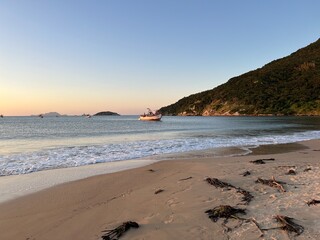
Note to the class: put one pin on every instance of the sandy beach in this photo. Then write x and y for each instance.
(84, 208)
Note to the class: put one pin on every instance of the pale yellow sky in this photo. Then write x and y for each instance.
(24, 101)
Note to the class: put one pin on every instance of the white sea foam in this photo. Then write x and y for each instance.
(65, 157)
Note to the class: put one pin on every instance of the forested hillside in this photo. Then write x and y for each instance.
(287, 86)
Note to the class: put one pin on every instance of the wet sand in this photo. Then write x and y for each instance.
(84, 208)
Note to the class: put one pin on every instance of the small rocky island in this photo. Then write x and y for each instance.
(50, 114)
(106, 113)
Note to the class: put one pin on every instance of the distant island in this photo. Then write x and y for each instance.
(56, 114)
(106, 113)
(49, 114)
(287, 86)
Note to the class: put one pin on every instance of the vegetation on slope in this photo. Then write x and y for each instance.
(106, 113)
(287, 86)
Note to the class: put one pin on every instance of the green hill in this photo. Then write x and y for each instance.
(287, 86)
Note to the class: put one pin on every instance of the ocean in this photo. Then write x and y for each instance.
(31, 144)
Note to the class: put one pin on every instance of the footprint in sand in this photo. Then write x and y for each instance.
(169, 219)
(209, 200)
(147, 219)
(172, 202)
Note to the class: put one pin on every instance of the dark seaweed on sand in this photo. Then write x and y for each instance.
(291, 172)
(247, 197)
(224, 211)
(272, 183)
(117, 232)
(307, 169)
(158, 191)
(217, 183)
(288, 224)
(262, 161)
(184, 179)
(313, 202)
(246, 173)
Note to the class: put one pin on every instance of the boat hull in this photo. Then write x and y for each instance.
(150, 118)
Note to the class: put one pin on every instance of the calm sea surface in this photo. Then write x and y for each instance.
(29, 144)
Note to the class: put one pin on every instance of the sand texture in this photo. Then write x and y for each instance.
(83, 209)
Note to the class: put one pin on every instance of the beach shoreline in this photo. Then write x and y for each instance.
(82, 209)
(15, 186)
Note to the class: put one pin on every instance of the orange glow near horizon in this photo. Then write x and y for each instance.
(26, 103)
(28, 96)
(32, 106)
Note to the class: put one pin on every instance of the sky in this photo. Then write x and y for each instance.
(76, 56)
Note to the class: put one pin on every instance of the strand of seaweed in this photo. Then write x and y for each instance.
(313, 202)
(287, 224)
(227, 212)
(247, 196)
(272, 183)
(262, 161)
(117, 232)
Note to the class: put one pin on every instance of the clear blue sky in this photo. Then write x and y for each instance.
(74, 56)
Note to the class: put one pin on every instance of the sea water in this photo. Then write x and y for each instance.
(31, 144)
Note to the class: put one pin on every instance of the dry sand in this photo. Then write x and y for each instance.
(83, 209)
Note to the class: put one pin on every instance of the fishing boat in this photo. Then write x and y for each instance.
(150, 116)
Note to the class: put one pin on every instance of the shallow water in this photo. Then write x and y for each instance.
(29, 144)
